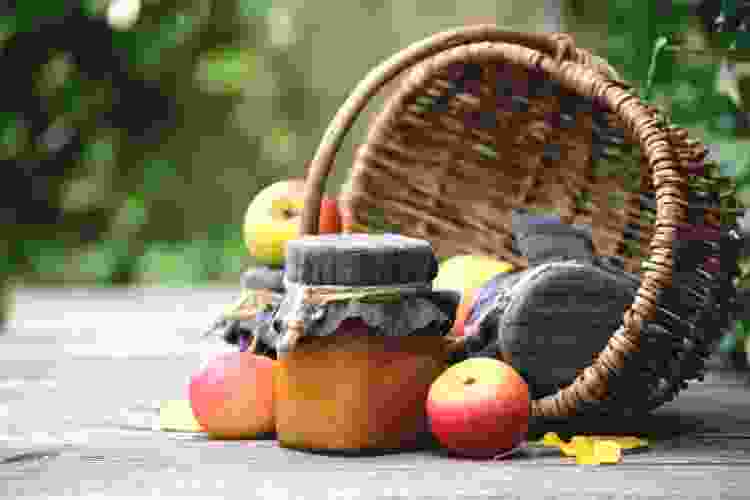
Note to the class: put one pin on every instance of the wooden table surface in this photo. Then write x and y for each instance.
(82, 373)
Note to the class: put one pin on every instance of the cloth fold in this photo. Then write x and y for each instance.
(413, 309)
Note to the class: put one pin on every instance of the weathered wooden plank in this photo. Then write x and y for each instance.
(77, 417)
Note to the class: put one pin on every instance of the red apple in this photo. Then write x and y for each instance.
(348, 224)
(232, 396)
(479, 408)
(330, 220)
(468, 298)
(347, 218)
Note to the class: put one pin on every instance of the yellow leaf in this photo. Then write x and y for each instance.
(607, 452)
(582, 448)
(587, 459)
(551, 439)
(568, 449)
(625, 442)
(177, 416)
(593, 450)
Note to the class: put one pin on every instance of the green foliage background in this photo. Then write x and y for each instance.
(256, 83)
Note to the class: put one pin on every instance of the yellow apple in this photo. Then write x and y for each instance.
(466, 274)
(272, 219)
(274, 216)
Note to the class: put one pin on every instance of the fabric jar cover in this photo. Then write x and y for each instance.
(389, 303)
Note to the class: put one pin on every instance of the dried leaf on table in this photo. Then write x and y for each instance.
(592, 449)
(177, 416)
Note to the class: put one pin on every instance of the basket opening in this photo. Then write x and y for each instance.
(464, 145)
(475, 141)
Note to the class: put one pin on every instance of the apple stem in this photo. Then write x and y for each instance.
(469, 381)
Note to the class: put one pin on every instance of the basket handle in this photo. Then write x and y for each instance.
(559, 45)
(666, 169)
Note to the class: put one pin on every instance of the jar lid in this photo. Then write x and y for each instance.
(360, 260)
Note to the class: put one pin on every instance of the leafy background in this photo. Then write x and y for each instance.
(130, 155)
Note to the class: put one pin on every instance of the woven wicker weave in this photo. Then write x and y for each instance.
(484, 121)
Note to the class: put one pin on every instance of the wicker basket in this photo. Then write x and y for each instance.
(484, 121)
